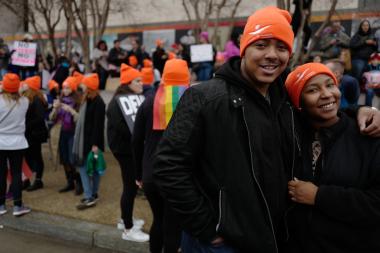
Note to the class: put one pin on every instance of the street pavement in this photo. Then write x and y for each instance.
(13, 241)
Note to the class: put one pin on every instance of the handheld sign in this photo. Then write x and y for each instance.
(24, 54)
(372, 79)
(129, 104)
(201, 53)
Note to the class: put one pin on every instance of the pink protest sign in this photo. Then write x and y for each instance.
(25, 54)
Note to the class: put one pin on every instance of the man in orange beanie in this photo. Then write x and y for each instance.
(224, 159)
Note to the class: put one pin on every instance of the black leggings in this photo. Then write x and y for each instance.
(165, 232)
(127, 200)
(15, 161)
(34, 159)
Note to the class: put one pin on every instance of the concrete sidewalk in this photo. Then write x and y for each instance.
(87, 233)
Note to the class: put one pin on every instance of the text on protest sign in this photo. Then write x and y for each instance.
(129, 104)
(201, 53)
(24, 54)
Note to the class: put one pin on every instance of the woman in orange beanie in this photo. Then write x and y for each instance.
(36, 130)
(336, 188)
(119, 140)
(13, 143)
(65, 111)
(151, 121)
(89, 137)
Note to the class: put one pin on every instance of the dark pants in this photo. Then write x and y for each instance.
(103, 75)
(165, 232)
(14, 157)
(192, 245)
(358, 66)
(34, 159)
(204, 72)
(127, 200)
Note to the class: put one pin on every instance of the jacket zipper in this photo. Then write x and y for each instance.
(220, 211)
(295, 142)
(257, 182)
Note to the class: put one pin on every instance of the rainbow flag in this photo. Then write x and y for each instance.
(165, 102)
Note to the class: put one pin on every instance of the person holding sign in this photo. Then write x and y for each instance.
(121, 113)
(205, 69)
(36, 130)
(152, 119)
(336, 191)
(13, 143)
(89, 137)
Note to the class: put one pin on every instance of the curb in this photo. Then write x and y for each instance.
(69, 229)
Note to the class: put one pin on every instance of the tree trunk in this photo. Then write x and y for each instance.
(317, 34)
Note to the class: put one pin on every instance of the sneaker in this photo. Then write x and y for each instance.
(3, 210)
(135, 235)
(95, 197)
(137, 223)
(86, 203)
(20, 210)
(120, 224)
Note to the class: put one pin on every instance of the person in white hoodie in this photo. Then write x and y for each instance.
(13, 143)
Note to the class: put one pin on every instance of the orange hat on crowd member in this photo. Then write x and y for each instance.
(171, 55)
(11, 82)
(176, 72)
(33, 82)
(72, 82)
(147, 63)
(91, 81)
(133, 61)
(268, 23)
(159, 42)
(52, 85)
(147, 75)
(128, 74)
(298, 78)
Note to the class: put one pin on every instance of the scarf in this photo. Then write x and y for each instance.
(165, 102)
(79, 136)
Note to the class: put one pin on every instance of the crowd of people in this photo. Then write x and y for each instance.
(247, 156)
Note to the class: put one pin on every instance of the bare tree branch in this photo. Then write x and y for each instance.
(318, 33)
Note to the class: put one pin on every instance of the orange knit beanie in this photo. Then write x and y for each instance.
(91, 81)
(53, 85)
(298, 78)
(268, 23)
(176, 72)
(33, 82)
(128, 74)
(11, 82)
(72, 82)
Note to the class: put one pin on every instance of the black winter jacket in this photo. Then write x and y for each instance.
(35, 127)
(222, 161)
(360, 49)
(94, 125)
(118, 134)
(346, 214)
(145, 140)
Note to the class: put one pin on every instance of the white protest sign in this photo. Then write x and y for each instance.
(201, 53)
(129, 104)
(24, 54)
